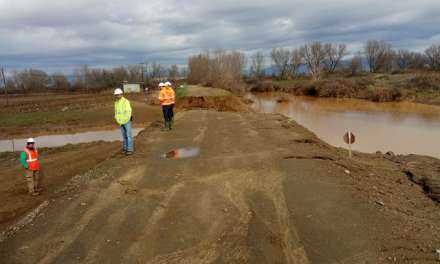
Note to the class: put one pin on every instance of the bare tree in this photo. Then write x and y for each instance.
(314, 57)
(403, 59)
(60, 82)
(296, 60)
(222, 69)
(134, 73)
(257, 65)
(333, 56)
(433, 57)
(157, 70)
(198, 68)
(379, 55)
(174, 72)
(31, 79)
(280, 60)
(356, 64)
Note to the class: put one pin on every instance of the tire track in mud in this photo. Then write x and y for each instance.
(96, 204)
(231, 187)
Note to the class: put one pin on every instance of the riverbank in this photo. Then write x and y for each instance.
(400, 127)
(413, 87)
(262, 189)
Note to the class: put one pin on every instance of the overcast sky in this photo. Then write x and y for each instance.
(63, 34)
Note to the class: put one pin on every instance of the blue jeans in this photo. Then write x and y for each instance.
(127, 137)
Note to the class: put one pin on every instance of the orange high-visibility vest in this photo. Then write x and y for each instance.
(167, 96)
(32, 159)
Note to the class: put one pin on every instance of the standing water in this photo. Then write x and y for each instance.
(401, 127)
(61, 140)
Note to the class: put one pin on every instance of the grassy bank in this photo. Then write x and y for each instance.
(414, 87)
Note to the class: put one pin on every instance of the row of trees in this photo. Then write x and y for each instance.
(318, 58)
(225, 69)
(86, 78)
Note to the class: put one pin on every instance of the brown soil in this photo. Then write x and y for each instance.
(263, 190)
(59, 166)
(223, 103)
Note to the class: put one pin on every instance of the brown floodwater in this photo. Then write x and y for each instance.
(401, 127)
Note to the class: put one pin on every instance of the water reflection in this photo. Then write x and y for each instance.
(182, 153)
(400, 127)
(61, 140)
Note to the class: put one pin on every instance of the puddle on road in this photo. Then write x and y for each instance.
(182, 153)
(62, 140)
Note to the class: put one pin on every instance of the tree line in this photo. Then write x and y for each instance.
(227, 69)
(326, 58)
(89, 79)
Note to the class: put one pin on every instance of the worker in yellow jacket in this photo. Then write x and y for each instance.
(123, 116)
(167, 98)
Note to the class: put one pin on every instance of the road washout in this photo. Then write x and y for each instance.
(262, 190)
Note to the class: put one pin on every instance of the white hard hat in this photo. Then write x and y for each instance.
(161, 84)
(167, 84)
(118, 91)
(30, 140)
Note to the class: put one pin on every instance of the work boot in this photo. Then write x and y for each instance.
(129, 153)
(169, 125)
(165, 128)
(35, 193)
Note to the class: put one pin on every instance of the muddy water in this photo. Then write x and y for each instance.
(402, 127)
(61, 140)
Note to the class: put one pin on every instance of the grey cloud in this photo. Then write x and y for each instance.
(51, 34)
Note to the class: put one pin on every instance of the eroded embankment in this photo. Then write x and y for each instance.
(218, 103)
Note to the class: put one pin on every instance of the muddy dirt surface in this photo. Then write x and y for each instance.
(423, 170)
(59, 165)
(262, 190)
(36, 115)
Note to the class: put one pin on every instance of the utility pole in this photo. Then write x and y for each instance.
(6, 88)
(143, 74)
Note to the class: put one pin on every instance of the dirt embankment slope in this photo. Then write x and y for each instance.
(262, 190)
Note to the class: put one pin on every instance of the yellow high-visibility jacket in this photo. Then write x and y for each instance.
(167, 96)
(122, 111)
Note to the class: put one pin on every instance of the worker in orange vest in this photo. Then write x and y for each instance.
(167, 99)
(31, 164)
(168, 84)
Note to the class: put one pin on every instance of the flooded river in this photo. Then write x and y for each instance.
(61, 140)
(401, 127)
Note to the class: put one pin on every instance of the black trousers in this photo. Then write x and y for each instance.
(172, 111)
(167, 112)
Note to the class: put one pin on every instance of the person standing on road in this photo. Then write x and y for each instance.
(167, 100)
(31, 164)
(123, 118)
(169, 85)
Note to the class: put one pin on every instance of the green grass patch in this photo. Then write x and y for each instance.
(38, 118)
(181, 91)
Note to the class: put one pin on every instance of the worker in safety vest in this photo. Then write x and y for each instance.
(30, 162)
(123, 118)
(168, 84)
(167, 100)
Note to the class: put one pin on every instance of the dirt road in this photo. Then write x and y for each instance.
(262, 190)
